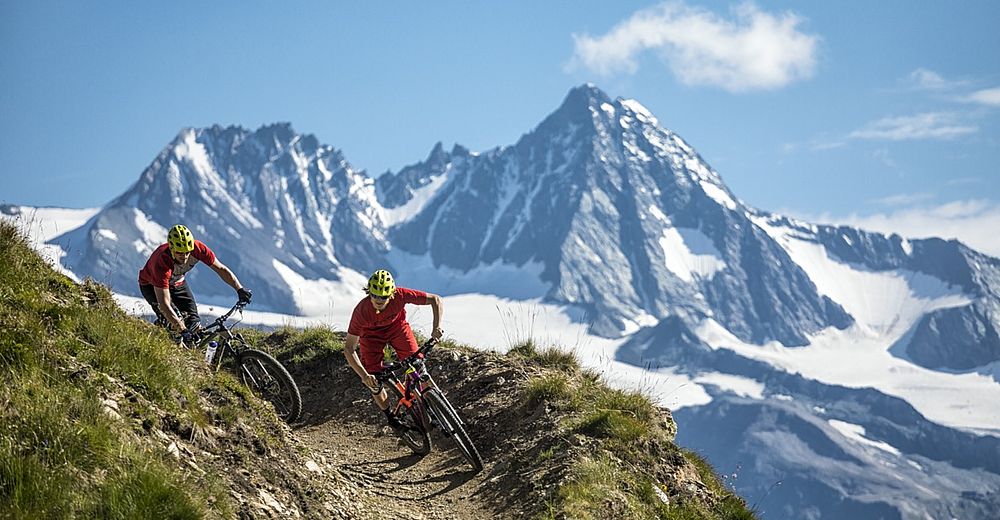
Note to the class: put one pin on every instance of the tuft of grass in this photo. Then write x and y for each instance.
(553, 387)
(602, 488)
(301, 345)
(550, 357)
(730, 507)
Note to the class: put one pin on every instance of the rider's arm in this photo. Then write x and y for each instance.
(167, 308)
(226, 274)
(437, 307)
(351, 353)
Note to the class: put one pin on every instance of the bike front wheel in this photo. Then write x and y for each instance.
(416, 430)
(267, 378)
(450, 423)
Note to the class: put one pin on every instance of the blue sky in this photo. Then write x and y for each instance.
(883, 114)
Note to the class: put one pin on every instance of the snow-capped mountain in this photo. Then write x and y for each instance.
(622, 216)
(859, 369)
(273, 205)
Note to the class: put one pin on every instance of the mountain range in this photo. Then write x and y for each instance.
(601, 209)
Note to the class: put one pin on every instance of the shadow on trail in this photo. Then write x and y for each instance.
(400, 463)
(397, 473)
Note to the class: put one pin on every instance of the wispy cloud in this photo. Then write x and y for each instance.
(882, 155)
(974, 222)
(904, 199)
(754, 50)
(820, 145)
(928, 125)
(990, 96)
(925, 79)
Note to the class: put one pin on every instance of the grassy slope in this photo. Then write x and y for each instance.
(630, 467)
(82, 385)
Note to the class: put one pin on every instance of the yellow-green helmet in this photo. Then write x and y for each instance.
(381, 283)
(180, 239)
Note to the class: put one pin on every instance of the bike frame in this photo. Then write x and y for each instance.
(411, 387)
(219, 329)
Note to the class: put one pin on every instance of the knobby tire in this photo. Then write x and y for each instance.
(417, 435)
(267, 378)
(452, 425)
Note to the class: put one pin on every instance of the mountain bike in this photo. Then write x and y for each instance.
(260, 372)
(420, 405)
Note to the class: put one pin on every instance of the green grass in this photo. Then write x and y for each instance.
(63, 349)
(731, 508)
(300, 345)
(550, 357)
(553, 387)
(603, 488)
(616, 480)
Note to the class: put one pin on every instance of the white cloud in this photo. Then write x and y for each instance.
(882, 156)
(927, 79)
(990, 96)
(973, 222)
(817, 145)
(755, 50)
(929, 125)
(904, 199)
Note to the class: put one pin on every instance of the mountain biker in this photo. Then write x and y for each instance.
(380, 319)
(161, 280)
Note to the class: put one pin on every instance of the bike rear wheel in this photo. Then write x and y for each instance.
(267, 378)
(416, 432)
(449, 421)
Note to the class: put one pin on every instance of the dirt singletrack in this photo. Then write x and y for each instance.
(351, 442)
(398, 484)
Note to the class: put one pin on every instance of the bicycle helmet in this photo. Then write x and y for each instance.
(180, 239)
(381, 283)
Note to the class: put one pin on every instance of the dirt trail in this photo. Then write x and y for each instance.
(347, 435)
(397, 483)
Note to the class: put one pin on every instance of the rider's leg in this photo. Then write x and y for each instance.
(372, 358)
(183, 299)
(150, 296)
(405, 344)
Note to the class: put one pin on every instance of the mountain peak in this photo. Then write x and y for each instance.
(584, 97)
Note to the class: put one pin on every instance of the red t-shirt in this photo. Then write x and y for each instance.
(380, 326)
(162, 271)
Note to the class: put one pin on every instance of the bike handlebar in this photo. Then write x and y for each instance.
(240, 305)
(387, 370)
(218, 323)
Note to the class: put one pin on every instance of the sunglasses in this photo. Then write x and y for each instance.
(378, 298)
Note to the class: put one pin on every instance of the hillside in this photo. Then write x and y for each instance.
(107, 418)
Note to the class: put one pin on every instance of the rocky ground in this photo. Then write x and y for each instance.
(341, 423)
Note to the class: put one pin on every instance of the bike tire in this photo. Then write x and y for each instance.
(452, 425)
(267, 378)
(417, 435)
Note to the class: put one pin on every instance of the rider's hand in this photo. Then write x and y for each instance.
(187, 336)
(438, 333)
(370, 381)
(244, 294)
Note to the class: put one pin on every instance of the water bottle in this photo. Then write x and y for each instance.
(210, 351)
